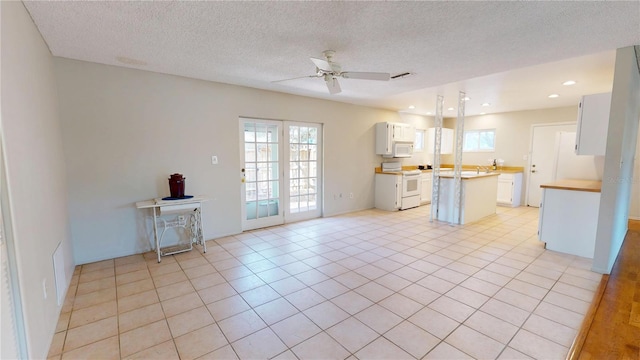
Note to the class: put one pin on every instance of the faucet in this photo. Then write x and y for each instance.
(485, 168)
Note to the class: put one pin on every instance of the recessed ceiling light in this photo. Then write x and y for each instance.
(569, 82)
(466, 98)
(553, 96)
(486, 104)
(450, 109)
(429, 113)
(483, 113)
(412, 107)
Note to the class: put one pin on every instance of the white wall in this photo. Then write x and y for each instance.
(513, 136)
(125, 131)
(634, 209)
(622, 138)
(35, 171)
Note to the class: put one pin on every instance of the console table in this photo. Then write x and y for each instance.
(186, 214)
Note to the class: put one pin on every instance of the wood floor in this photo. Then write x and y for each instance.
(614, 332)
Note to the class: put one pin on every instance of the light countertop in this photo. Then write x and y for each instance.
(448, 167)
(468, 175)
(574, 185)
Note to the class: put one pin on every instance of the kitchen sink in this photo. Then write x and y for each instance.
(463, 173)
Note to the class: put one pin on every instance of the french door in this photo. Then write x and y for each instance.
(281, 172)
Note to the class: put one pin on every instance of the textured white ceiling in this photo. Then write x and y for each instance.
(511, 54)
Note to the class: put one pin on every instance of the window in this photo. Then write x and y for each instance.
(479, 140)
(418, 145)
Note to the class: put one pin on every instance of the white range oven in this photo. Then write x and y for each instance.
(411, 184)
(411, 188)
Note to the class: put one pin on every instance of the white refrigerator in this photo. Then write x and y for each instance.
(568, 165)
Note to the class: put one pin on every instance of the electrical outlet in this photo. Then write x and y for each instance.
(214, 160)
(350, 195)
(44, 287)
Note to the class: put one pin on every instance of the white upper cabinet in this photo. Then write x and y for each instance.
(404, 132)
(446, 146)
(593, 124)
(388, 133)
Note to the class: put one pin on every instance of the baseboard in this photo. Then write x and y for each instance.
(325, 215)
(578, 342)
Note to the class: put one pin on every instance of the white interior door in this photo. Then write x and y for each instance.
(281, 169)
(261, 171)
(541, 159)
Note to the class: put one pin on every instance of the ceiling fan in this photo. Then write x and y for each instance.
(330, 71)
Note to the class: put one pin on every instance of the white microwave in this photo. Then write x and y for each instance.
(402, 150)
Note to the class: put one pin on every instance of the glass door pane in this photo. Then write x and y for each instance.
(304, 177)
(261, 180)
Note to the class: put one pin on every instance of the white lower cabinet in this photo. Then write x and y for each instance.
(568, 221)
(425, 193)
(509, 189)
(476, 202)
(388, 195)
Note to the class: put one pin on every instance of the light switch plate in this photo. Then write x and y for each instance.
(214, 160)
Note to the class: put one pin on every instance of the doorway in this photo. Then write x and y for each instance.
(12, 328)
(281, 172)
(541, 158)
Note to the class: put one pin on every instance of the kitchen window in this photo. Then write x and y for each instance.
(418, 145)
(479, 140)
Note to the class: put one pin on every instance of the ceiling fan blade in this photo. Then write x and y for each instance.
(366, 75)
(322, 64)
(333, 85)
(295, 78)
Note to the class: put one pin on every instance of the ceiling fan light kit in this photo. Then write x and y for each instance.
(330, 71)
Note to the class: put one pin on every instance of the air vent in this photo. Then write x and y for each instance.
(400, 76)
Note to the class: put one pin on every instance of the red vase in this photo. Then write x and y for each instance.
(176, 185)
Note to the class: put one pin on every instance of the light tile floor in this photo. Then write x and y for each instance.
(370, 284)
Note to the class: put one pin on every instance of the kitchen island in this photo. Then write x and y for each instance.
(478, 196)
(569, 216)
